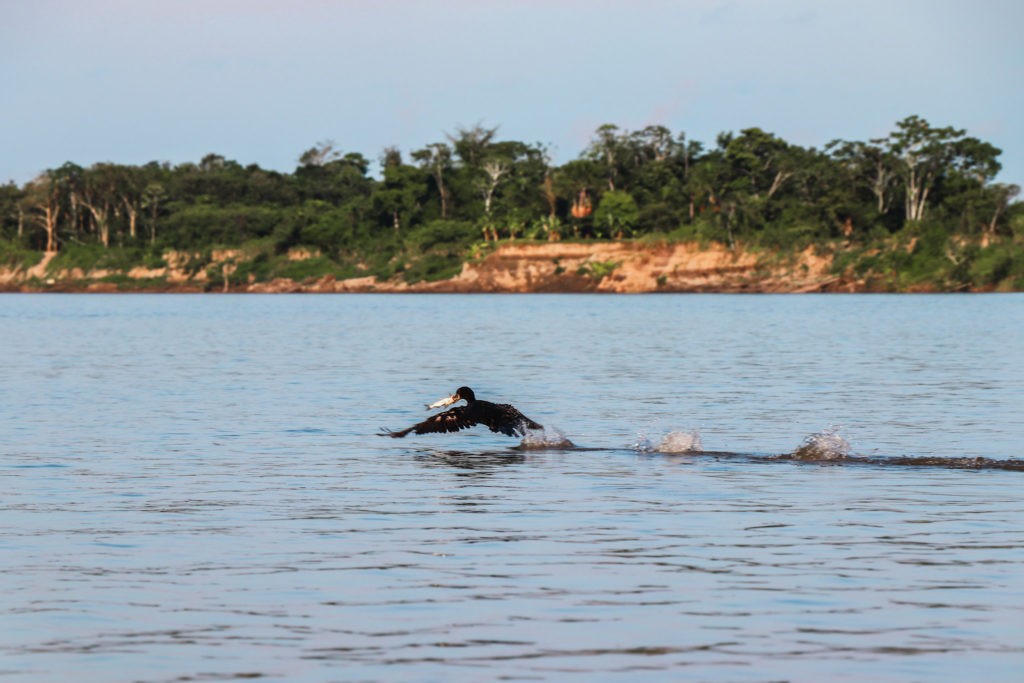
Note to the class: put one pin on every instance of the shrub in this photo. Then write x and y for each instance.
(598, 269)
(432, 267)
(14, 255)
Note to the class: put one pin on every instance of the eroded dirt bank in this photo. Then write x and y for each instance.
(607, 267)
(622, 267)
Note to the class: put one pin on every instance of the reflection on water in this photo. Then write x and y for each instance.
(192, 490)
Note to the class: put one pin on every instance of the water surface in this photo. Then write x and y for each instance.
(193, 489)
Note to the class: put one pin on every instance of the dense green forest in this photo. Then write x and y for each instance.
(918, 206)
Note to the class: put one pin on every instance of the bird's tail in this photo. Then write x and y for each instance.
(392, 433)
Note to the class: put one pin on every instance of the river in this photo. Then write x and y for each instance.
(194, 488)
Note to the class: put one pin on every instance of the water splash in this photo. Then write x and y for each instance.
(643, 444)
(824, 445)
(681, 442)
(549, 438)
(673, 442)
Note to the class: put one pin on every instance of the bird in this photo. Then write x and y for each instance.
(498, 417)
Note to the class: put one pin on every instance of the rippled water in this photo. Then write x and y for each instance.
(192, 489)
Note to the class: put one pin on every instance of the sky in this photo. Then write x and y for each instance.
(261, 81)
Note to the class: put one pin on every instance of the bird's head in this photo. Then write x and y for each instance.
(461, 394)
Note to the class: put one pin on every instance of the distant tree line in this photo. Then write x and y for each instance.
(425, 212)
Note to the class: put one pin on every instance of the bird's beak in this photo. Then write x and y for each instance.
(442, 402)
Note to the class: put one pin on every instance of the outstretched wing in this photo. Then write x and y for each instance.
(508, 421)
(449, 421)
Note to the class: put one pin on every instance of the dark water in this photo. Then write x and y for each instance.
(192, 489)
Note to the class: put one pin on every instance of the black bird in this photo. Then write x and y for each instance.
(498, 417)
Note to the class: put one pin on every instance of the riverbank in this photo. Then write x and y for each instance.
(614, 267)
(511, 267)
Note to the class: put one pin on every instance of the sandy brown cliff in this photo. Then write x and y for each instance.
(624, 267)
(615, 267)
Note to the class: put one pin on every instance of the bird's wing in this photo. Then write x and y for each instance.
(509, 421)
(449, 421)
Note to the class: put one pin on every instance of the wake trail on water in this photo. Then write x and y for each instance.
(825, 447)
(828, 446)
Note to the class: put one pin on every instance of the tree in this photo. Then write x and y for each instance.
(606, 150)
(337, 181)
(12, 213)
(926, 154)
(320, 154)
(397, 199)
(99, 196)
(617, 212)
(710, 183)
(471, 144)
(868, 164)
(44, 200)
(437, 158)
(494, 170)
(1002, 194)
(152, 196)
(759, 159)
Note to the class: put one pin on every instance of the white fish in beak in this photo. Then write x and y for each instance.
(442, 402)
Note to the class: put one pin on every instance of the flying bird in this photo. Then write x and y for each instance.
(498, 417)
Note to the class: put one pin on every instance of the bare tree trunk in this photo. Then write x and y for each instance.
(922, 203)
(494, 170)
(550, 196)
(51, 212)
(918, 186)
(439, 177)
(879, 185)
(102, 217)
(912, 191)
(133, 212)
(74, 215)
(995, 219)
(780, 178)
(1006, 193)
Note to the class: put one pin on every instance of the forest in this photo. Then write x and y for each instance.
(918, 207)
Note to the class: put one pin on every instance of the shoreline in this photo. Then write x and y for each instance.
(511, 267)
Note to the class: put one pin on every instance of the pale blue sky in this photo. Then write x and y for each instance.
(260, 81)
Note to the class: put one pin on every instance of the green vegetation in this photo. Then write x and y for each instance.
(598, 270)
(13, 255)
(918, 209)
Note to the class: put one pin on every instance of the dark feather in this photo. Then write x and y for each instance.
(501, 418)
(449, 421)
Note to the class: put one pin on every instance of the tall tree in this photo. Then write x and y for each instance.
(437, 158)
(471, 144)
(868, 164)
(99, 196)
(153, 196)
(927, 153)
(44, 198)
(323, 152)
(607, 149)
